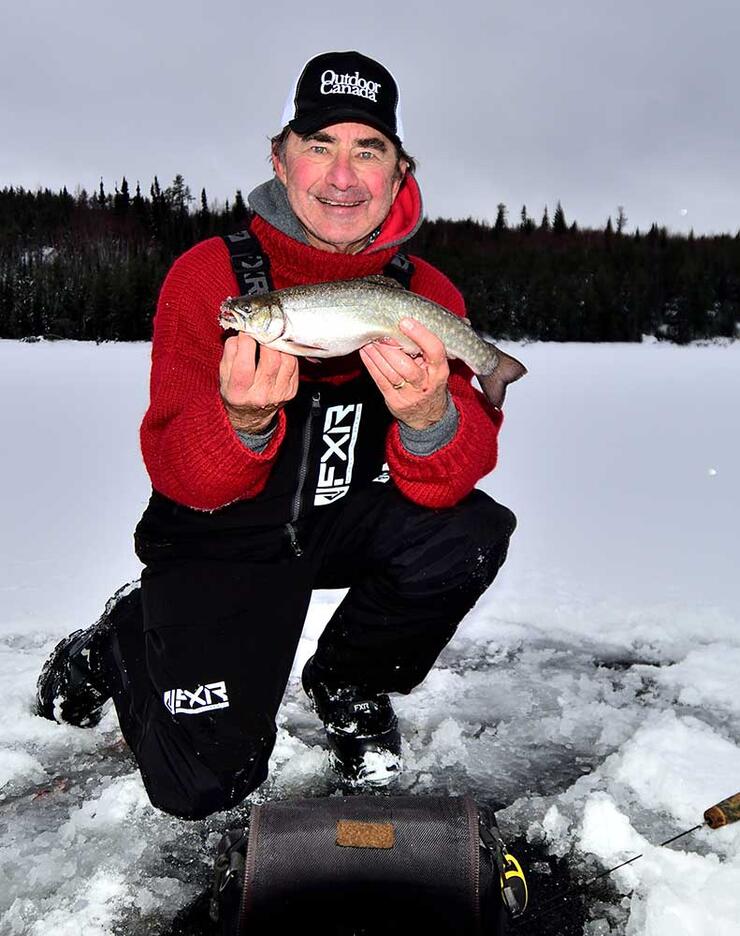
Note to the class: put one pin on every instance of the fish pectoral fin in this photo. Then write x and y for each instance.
(300, 346)
(382, 280)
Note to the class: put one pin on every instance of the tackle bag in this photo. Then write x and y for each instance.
(367, 864)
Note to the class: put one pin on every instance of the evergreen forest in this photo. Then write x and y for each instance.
(90, 266)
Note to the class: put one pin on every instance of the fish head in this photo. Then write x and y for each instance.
(260, 317)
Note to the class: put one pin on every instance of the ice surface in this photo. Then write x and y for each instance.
(592, 692)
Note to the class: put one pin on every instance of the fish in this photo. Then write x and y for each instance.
(325, 320)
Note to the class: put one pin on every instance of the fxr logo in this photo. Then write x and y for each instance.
(341, 425)
(203, 699)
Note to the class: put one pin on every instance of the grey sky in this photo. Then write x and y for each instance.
(597, 103)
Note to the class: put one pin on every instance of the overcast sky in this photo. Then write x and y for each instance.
(596, 103)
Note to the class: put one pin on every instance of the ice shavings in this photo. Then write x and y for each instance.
(681, 766)
(708, 676)
(675, 892)
(18, 765)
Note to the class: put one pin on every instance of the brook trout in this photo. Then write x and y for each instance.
(332, 319)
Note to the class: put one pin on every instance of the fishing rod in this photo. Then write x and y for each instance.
(721, 814)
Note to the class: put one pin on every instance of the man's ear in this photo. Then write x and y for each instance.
(400, 175)
(278, 167)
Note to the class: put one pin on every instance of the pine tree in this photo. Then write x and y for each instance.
(621, 219)
(500, 223)
(205, 225)
(178, 196)
(138, 201)
(122, 199)
(239, 209)
(545, 223)
(102, 198)
(526, 224)
(558, 222)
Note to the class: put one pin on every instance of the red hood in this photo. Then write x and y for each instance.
(404, 219)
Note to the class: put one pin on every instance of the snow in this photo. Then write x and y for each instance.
(591, 694)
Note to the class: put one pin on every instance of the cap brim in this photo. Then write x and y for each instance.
(319, 120)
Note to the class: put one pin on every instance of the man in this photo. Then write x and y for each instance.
(274, 475)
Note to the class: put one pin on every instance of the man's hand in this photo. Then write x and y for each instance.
(414, 388)
(253, 392)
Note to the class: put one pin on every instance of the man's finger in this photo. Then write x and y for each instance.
(241, 374)
(431, 346)
(286, 382)
(227, 359)
(395, 364)
(382, 382)
(269, 364)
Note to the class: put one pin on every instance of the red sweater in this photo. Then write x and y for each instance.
(191, 451)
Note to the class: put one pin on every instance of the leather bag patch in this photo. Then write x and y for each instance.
(352, 834)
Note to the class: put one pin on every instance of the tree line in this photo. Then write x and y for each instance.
(89, 266)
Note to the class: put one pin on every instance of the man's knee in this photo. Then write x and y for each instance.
(485, 519)
(477, 531)
(455, 550)
(184, 782)
(489, 528)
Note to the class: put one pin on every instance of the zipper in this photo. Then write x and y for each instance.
(302, 474)
(250, 861)
(473, 816)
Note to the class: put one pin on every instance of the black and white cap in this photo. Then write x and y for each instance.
(335, 87)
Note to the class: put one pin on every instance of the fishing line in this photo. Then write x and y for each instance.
(721, 814)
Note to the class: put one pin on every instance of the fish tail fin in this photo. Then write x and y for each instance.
(506, 371)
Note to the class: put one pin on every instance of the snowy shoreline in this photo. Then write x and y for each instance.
(593, 689)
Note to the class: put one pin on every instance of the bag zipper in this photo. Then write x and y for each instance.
(471, 808)
(229, 864)
(250, 860)
(302, 473)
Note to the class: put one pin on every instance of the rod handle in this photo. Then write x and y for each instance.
(723, 813)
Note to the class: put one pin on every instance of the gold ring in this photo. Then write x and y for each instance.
(397, 386)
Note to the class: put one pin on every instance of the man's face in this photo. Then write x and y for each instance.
(341, 183)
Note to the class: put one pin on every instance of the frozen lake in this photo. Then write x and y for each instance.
(592, 692)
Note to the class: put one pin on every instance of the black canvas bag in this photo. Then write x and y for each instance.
(364, 865)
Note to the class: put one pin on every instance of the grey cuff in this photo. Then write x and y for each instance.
(433, 438)
(257, 442)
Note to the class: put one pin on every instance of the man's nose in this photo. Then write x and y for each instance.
(342, 173)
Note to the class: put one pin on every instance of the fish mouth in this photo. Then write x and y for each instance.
(227, 315)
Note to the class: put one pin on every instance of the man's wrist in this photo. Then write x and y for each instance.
(245, 419)
(430, 440)
(426, 420)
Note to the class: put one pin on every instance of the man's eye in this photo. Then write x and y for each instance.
(318, 148)
(366, 154)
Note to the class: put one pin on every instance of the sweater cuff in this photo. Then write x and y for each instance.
(433, 438)
(257, 442)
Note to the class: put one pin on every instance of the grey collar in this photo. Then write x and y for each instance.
(270, 202)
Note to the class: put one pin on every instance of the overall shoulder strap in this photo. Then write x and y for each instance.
(249, 262)
(400, 268)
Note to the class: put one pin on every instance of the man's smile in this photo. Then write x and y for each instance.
(333, 203)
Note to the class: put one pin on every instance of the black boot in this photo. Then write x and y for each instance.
(361, 728)
(73, 685)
